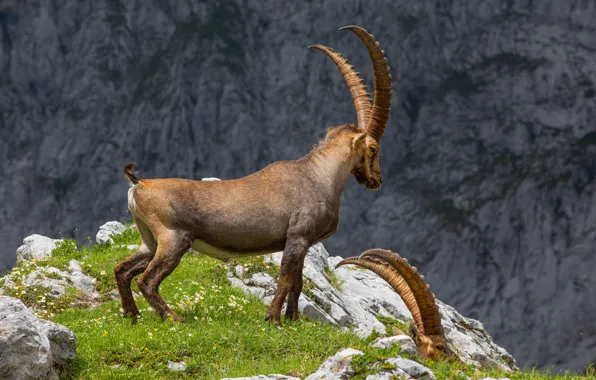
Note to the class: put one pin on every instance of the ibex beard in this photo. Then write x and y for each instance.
(288, 205)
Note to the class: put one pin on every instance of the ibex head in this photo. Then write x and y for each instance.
(427, 330)
(372, 117)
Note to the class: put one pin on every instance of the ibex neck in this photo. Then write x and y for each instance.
(332, 169)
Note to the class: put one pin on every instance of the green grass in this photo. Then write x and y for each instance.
(224, 334)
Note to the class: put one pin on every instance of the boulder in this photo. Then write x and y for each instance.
(107, 230)
(32, 348)
(337, 367)
(36, 247)
(403, 341)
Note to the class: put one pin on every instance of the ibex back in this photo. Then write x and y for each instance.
(288, 205)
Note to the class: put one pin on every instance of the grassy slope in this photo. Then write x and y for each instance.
(224, 334)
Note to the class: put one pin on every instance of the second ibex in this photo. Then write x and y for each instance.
(288, 205)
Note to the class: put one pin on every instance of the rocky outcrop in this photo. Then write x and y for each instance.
(36, 247)
(107, 230)
(32, 348)
(487, 162)
(56, 280)
(337, 367)
(358, 297)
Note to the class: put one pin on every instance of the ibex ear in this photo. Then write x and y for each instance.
(358, 139)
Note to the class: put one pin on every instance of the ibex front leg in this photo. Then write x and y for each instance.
(290, 278)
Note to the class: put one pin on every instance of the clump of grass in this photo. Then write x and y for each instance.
(335, 281)
(391, 323)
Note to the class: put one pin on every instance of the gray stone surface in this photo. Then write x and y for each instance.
(336, 367)
(107, 230)
(264, 377)
(176, 366)
(32, 348)
(487, 161)
(363, 296)
(57, 280)
(36, 247)
(403, 341)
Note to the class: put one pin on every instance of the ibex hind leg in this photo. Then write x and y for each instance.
(132, 267)
(171, 246)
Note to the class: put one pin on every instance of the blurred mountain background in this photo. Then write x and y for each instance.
(488, 161)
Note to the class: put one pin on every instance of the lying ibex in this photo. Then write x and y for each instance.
(414, 291)
(288, 205)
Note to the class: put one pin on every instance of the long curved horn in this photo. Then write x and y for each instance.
(382, 97)
(361, 97)
(393, 278)
(431, 318)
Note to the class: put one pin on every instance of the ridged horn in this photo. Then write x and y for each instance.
(393, 278)
(381, 108)
(431, 318)
(360, 95)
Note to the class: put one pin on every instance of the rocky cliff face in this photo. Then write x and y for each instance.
(488, 161)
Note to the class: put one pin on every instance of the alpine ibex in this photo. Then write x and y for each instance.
(288, 205)
(414, 291)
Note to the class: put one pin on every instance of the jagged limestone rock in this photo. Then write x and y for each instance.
(336, 367)
(107, 230)
(403, 341)
(36, 247)
(264, 377)
(57, 280)
(32, 348)
(362, 296)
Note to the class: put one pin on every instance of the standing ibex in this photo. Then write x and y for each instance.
(288, 205)
(414, 291)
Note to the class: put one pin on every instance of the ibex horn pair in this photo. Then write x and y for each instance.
(372, 117)
(414, 291)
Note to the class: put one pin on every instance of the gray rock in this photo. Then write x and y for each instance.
(337, 367)
(413, 369)
(57, 280)
(261, 280)
(80, 280)
(403, 341)
(107, 230)
(32, 348)
(264, 377)
(176, 366)
(364, 296)
(238, 270)
(36, 247)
